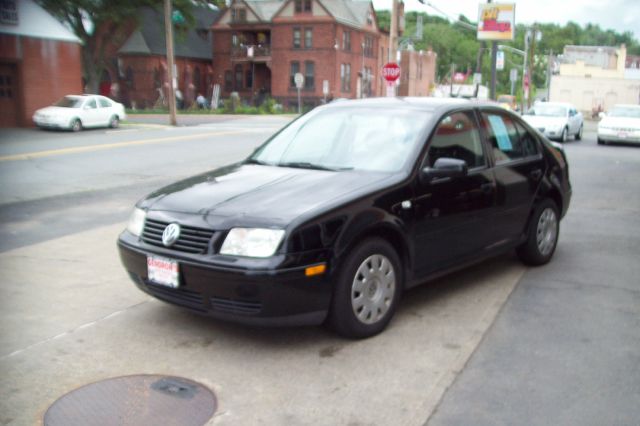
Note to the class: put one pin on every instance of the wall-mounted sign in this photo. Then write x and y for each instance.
(496, 21)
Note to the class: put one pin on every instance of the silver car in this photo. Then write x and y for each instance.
(556, 120)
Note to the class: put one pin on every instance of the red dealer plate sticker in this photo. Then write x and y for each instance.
(163, 271)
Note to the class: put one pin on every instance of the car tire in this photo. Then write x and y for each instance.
(367, 291)
(76, 125)
(114, 122)
(601, 142)
(542, 234)
(579, 134)
(563, 136)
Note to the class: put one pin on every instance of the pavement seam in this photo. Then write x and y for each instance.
(73, 330)
(473, 352)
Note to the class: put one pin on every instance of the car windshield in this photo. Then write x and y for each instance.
(344, 139)
(69, 102)
(549, 110)
(625, 112)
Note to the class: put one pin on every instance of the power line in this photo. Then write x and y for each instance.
(456, 20)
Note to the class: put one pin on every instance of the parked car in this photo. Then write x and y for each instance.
(74, 112)
(346, 207)
(508, 102)
(556, 120)
(621, 124)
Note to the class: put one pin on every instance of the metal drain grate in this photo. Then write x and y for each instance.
(135, 400)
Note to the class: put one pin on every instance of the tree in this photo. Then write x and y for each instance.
(103, 25)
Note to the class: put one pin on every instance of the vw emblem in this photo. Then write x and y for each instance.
(171, 234)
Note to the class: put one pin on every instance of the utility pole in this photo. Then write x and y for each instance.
(393, 37)
(170, 62)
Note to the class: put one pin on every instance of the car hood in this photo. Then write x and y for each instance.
(57, 111)
(620, 122)
(254, 194)
(546, 122)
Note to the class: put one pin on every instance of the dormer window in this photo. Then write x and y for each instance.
(369, 18)
(238, 14)
(302, 6)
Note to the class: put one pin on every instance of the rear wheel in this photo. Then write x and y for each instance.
(542, 235)
(76, 125)
(114, 122)
(579, 134)
(368, 289)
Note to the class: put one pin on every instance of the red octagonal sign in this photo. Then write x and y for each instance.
(391, 71)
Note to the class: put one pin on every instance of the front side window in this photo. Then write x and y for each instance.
(92, 104)
(457, 136)
(509, 140)
(343, 139)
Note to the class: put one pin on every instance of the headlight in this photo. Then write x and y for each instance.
(136, 222)
(252, 242)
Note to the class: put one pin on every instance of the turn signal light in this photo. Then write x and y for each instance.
(315, 270)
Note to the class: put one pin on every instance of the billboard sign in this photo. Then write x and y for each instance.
(496, 21)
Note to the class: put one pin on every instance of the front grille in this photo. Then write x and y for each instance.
(240, 307)
(178, 296)
(192, 240)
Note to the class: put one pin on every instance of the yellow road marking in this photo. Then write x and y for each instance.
(92, 148)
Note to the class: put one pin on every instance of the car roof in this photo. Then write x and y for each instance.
(626, 106)
(428, 104)
(564, 104)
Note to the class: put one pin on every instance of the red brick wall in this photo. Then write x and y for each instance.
(326, 58)
(47, 70)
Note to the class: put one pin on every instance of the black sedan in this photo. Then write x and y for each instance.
(346, 207)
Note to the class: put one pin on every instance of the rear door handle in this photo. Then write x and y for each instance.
(536, 174)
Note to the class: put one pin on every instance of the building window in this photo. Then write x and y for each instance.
(238, 15)
(296, 38)
(368, 46)
(346, 41)
(228, 81)
(235, 41)
(197, 79)
(309, 75)
(295, 68)
(249, 79)
(308, 38)
(345, 77)
(238, 80)
(302, 6)
(369, 18)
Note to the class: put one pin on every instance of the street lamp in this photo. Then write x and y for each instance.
(522, 53)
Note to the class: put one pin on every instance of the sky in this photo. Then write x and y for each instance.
(618, 15)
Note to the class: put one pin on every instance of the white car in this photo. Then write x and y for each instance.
(556, 120)
(75, 112)
(621, 124)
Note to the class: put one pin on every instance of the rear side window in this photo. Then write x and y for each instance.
(509, 140)
(457, 137)
(104, 103)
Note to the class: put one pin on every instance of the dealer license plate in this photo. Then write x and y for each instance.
(163, 271)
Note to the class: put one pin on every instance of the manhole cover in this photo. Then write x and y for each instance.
(135, 400)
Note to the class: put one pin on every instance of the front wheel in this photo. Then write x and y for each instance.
(563, 137)
(368, 289)
(542, 235)
(76, 125)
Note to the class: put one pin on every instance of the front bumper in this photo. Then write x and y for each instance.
(50, 123)
(275, 297)
(619, 135)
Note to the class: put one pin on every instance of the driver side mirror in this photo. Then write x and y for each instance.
(444, 168)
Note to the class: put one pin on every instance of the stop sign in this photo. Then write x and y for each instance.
(391, 71)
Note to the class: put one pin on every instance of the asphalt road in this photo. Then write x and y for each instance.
(495, 344)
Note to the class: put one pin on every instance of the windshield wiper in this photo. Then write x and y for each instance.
(254, 161)
(307, 165)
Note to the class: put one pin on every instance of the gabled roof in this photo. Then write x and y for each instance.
(150, 39)
(34, 21)
(264, 9)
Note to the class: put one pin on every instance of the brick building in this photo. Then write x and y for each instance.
(418, 72)
(259, 45)
(139, 66)
(40, 61)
